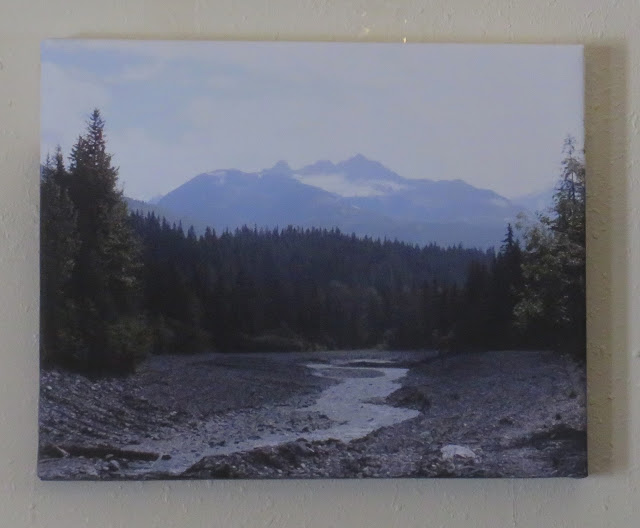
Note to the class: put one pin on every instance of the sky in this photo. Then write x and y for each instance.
(495, 116)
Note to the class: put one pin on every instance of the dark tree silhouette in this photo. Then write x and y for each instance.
(101, 296)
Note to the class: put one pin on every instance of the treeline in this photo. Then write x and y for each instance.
(116, 286)
(298, 288)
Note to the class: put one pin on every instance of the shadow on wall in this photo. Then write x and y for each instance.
(606, 150)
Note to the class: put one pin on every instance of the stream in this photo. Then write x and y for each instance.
(354, 406)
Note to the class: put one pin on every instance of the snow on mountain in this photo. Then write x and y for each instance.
(356, 195)
(340, 184)
(357, 176)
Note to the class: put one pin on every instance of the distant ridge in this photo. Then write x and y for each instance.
(357, 195)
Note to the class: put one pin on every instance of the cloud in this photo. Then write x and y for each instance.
(492, 115)
(67, 96)
(138, 73)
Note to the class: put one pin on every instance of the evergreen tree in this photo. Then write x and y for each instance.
(105, 277)
(59, 244)
(507, 283)
(299, 288)
(104, 271)
(551, 307)
(474, 313)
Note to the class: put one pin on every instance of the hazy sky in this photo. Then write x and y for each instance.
(493, 115)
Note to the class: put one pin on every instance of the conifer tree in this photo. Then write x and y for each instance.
(552, 301)
(59, 242)
(105, 278)
(507, 284)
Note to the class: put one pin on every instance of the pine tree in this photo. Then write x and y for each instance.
(551, 307)
(59, 242)
(474, 313)
(506, 285)
(105, 278)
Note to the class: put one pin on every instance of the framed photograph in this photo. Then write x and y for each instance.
(311, 260)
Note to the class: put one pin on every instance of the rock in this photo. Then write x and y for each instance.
(303, 450)
(451, 451)
(113, 465)
(166, 457)
(410, 398)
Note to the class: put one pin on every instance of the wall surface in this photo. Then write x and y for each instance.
(610, 497)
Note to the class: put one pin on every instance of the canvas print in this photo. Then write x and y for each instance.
(311, 260)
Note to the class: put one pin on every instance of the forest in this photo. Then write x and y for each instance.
(117, 285)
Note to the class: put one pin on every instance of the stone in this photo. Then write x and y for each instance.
(451, 451)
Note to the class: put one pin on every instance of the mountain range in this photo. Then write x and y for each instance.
(358, 196)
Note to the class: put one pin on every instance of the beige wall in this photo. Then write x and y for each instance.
(610, 497)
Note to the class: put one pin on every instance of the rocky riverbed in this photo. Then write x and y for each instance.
(321, 414)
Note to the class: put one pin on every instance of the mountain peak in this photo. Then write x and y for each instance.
(279, 169)
(359, 167)
(359, 159)
(361, 162)
(319, 167)
(358, 195)
(281, 166)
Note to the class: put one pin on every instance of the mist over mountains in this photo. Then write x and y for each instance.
(357, 195)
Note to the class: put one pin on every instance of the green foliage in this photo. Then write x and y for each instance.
(128, 340)
(507, 284)
(294, 289)
(117, 286)
(59, 248)
(271, 343)
(90, 262)
(551, 305)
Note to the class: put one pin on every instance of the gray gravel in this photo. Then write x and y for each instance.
(519, 413)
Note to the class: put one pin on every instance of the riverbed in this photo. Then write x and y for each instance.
(320, 414)
(345, 409)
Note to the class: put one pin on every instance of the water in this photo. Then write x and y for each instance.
(349, 402)
(354, 405)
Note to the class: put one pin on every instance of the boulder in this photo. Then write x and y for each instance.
(451, 451)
